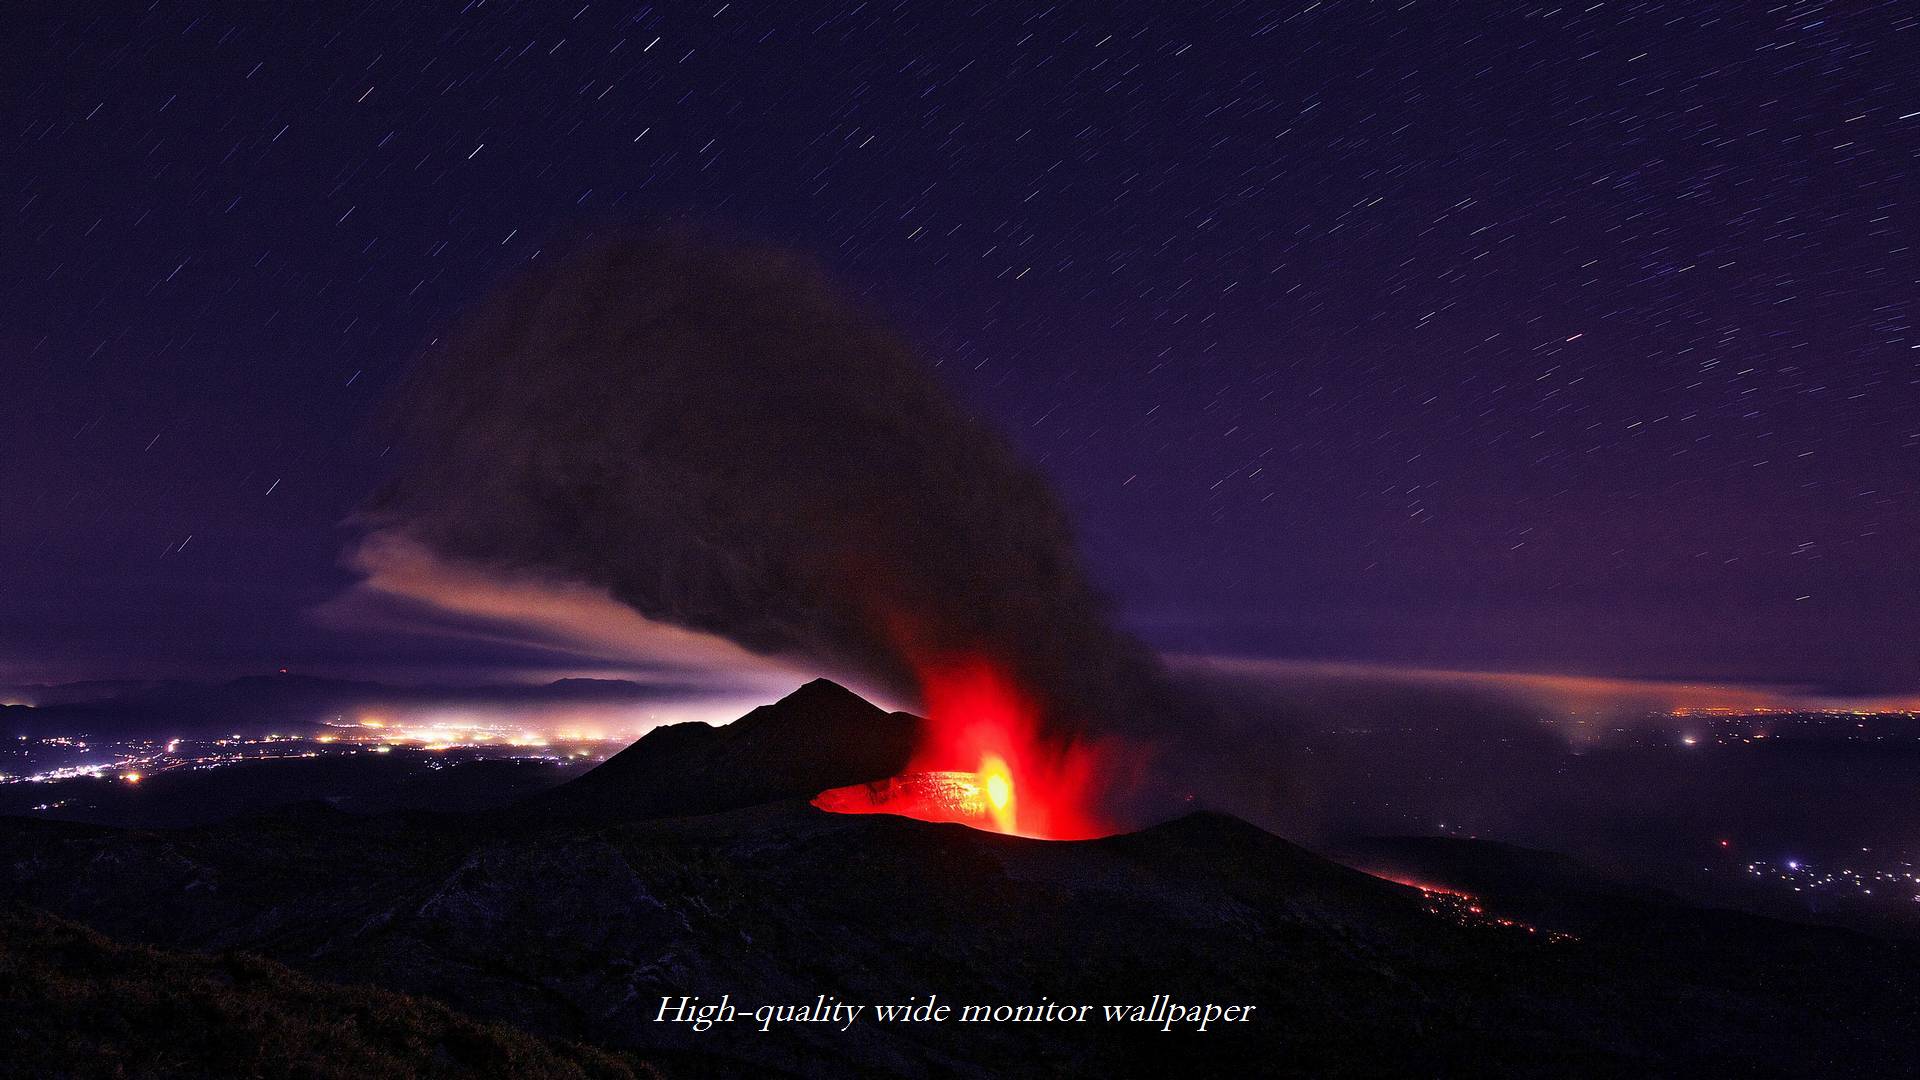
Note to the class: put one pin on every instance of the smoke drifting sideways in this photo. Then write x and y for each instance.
(720, 439)
(1606, 769)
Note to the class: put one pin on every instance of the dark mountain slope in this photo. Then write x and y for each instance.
(818, 737)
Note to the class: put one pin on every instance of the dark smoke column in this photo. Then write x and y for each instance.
(721, 440)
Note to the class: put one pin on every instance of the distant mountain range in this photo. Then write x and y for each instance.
(258, 704)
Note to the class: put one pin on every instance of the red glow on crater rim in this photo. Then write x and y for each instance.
(984, 762)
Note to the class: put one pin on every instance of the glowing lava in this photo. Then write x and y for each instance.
(999, 793)
(984, 761)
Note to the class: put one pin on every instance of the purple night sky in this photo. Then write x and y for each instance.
(1514, 338)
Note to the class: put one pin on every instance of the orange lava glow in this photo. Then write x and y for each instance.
(984, 761)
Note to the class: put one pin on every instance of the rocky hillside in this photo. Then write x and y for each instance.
(75, 1004)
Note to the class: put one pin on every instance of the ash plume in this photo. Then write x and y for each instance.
(719, 438)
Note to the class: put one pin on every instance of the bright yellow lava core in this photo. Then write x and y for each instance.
(998, 791)
(996, 779)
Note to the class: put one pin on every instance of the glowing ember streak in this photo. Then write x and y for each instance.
(929, 796)
(984, 762)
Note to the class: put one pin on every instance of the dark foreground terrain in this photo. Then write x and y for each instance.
(73, 1002)
(692, 864)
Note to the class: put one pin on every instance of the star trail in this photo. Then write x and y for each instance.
(1493, 337)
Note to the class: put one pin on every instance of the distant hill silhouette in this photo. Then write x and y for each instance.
(818, 737)
(288, 703)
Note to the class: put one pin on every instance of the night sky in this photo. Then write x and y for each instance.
(1494, 337)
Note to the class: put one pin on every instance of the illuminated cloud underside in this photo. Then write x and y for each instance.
(405, 587)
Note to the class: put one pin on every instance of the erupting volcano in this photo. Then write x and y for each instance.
(721, 440)
(985, 762)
